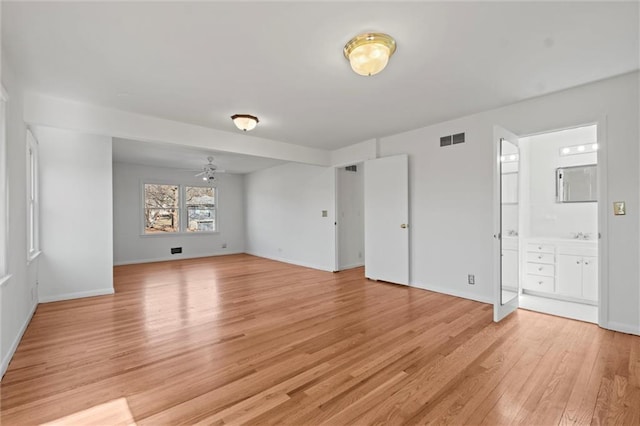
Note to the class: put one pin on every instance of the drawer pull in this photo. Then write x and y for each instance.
(539, 256)
(540, 282)
(540, 268)
(586, 263)
(539, 247)
(577, 262)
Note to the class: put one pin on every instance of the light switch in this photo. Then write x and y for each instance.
(324, 213)
(619, 208)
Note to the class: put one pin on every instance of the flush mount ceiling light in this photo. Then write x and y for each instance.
(369, 53)
(245, 122)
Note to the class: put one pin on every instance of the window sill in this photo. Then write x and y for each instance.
(180, 234)
(5, 280)
(33, 256)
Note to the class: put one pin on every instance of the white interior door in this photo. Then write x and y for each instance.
(386, 219)
(506, 155)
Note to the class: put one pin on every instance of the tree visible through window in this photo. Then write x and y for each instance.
(161, 208)
(178, 208)
(201, 209)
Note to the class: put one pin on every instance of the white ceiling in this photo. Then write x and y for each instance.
(202, 62)
(180, 157)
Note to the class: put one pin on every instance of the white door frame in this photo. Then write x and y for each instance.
(337, 223)
(603, 211)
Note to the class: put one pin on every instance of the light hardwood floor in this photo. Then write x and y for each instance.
(238, 339)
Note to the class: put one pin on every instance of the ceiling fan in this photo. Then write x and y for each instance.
(209, 171)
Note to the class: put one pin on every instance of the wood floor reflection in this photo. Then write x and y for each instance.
(240, 339)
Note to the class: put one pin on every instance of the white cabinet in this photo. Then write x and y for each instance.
(570, 275)
(563, 269)
(578, 276)
(590, 278)
(540, 267)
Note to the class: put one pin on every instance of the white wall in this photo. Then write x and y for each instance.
(350, 218)
(131, 247)
(451, 191)
(18, 294)
(547, 218)
(284, 220)
(76, 213)
(358, 152)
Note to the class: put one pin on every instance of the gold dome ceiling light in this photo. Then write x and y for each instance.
(245, 122)
(369, 53)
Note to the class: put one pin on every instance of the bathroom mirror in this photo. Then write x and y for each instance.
(577, 184)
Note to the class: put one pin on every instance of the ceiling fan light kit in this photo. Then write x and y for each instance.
(209, 170)
(245, 122)
(369, 53)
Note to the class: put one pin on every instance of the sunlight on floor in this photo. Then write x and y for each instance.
(115, 412)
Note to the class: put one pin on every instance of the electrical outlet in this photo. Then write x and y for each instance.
(224, 245)
(471, 279)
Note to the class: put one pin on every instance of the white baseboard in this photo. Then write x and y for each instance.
(456, 293)
(77, 295)
(173, 257)
(292, 262)
(351, 266)
(12, 350)
(623, 328)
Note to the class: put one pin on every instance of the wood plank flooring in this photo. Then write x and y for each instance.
(240, 339)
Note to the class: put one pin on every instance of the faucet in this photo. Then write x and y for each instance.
(582, 236)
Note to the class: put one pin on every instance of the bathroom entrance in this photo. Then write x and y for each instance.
(548, 223)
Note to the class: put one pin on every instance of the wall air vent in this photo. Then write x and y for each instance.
(452, 139)
(353, 168)
(458, 138)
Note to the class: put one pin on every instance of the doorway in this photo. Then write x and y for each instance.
(349, 217)
(548, 235)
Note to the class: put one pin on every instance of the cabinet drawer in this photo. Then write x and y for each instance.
(541, 258)
(539, 283)
(541, 248)
(541, 269)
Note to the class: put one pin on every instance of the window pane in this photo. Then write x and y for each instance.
(201, 219)
(161, 208)
(201, 209)
(32, 227)
(200, 196)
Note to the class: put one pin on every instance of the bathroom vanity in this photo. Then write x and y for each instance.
(565, 269)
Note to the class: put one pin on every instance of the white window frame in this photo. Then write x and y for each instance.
(33, 197)
(183, 217)
(4, 192)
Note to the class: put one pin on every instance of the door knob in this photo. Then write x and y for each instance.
(404, 226)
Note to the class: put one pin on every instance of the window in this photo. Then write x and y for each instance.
(161, 208)
(4, 196)
(201, 209)
(33, 243)
(177, 208)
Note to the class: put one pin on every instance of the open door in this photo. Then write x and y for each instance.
(386, 219)
(506, 201)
